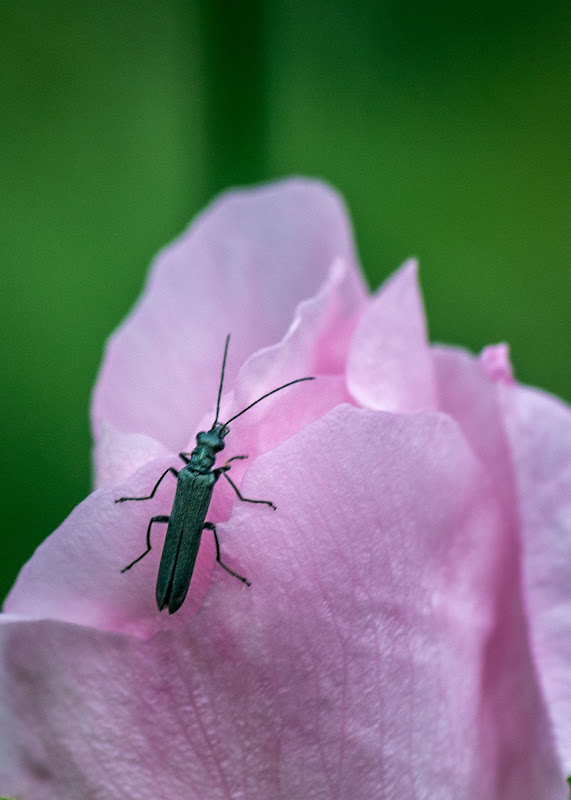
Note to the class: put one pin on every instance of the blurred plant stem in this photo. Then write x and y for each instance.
(235, 100)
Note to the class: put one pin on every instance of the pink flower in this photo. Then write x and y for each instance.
(407, 633)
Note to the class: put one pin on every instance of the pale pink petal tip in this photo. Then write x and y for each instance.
(390, 363)
(496, 362)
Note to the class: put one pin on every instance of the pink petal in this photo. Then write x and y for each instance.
(262, 429)
(352, 668)
(468, 393)
(317, 342)
(242, 267)
(478, 402)
(118, 455)
(316, 345)
(496, 362)
(540, 431)
(390, 363)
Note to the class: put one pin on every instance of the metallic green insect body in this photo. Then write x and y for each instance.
(187, 520)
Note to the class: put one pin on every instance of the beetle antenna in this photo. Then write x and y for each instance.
(263, 397)
(221, 380)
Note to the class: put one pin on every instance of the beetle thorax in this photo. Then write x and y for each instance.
(208, 443)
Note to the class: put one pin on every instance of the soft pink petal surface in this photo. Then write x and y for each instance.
(242, 267)
(468, 393)
(513, 427)
(317, 342)
(540, 432)
(390, 363)
(117, 455)
(352, 668)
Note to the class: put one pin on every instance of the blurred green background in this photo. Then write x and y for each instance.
(442, 124)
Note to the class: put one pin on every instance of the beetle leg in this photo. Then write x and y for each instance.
(210, 526)
(152, 494)
(225, 467)
(148, 550)
(245, 499)
(235, 458)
